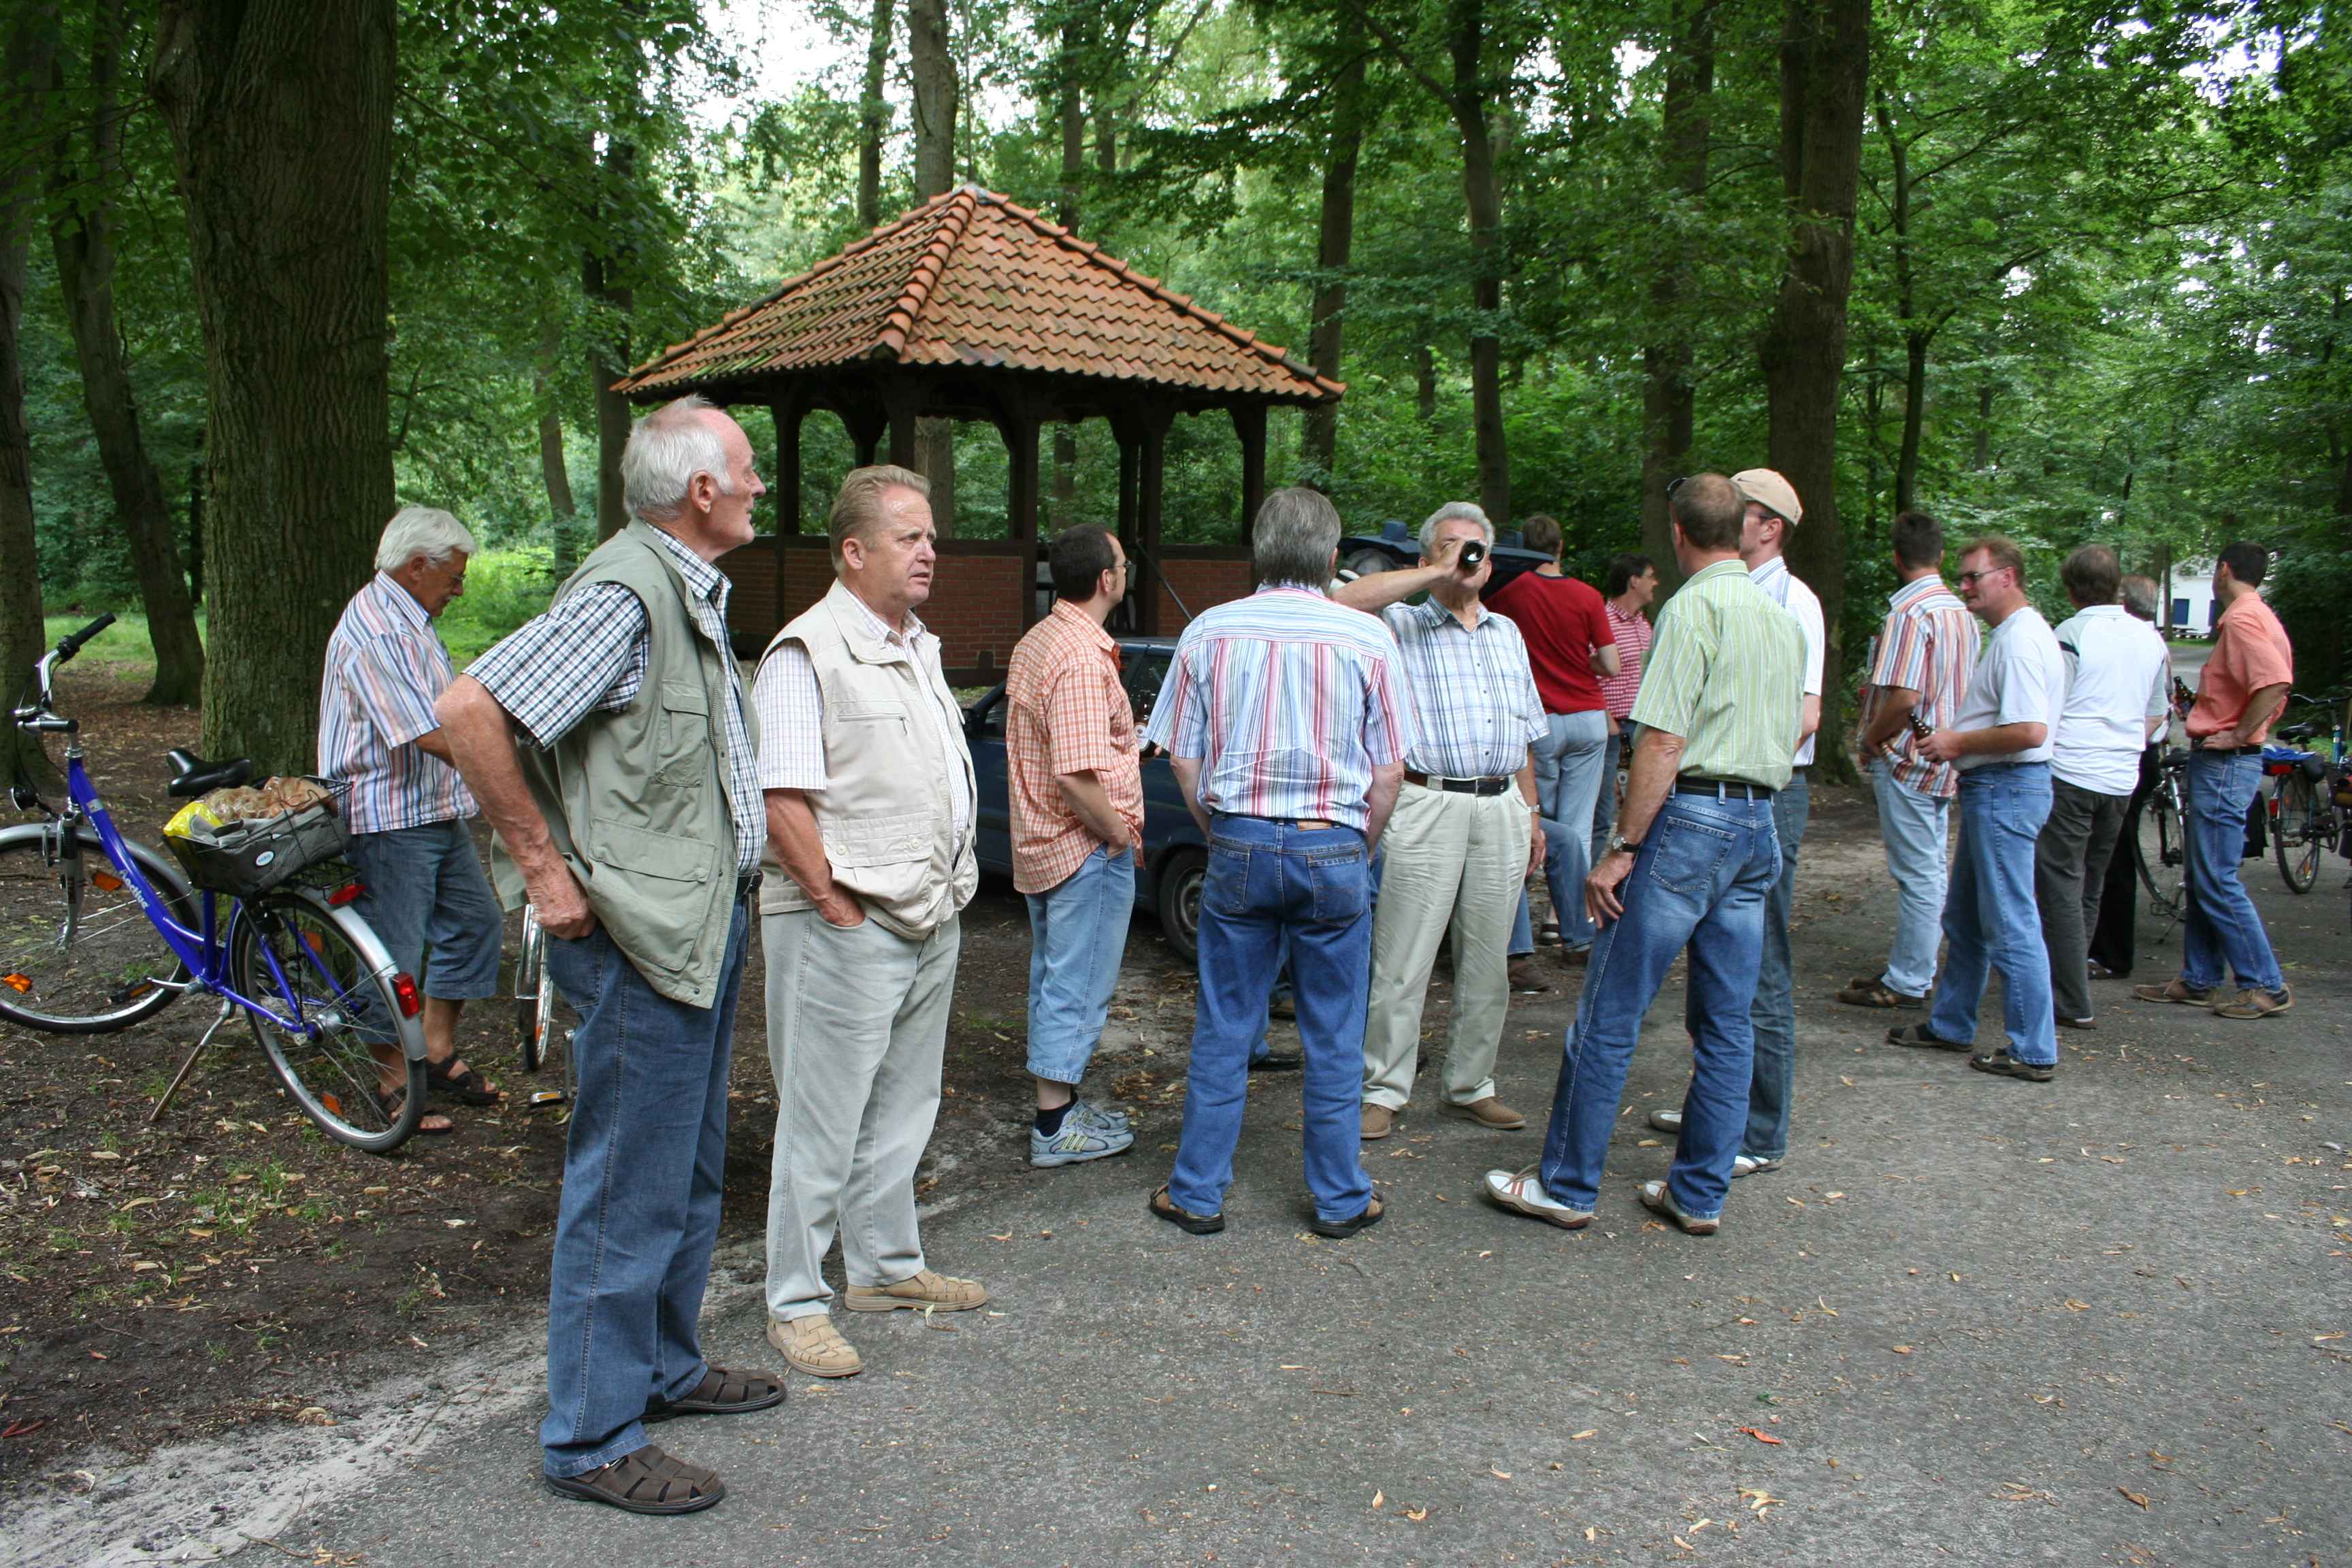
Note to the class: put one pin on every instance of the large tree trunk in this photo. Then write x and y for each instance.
(935, 82)
(1917, 334)
(1825, 69)
(1466, 38)
(554, 472)
(1335, 242)
(1669, 400)
(25, 67)
(280, 115)
(604, 279)
(82, 234)
(873, 117)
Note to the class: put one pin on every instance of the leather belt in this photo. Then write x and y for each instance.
(1311, 824)
(1458, 786)
(2228, 750)
(748, 882)
(1722, 789)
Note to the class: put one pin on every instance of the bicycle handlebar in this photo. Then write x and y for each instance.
(74, 640)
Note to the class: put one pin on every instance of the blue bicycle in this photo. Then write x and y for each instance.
(2305, 819)
(98, 931)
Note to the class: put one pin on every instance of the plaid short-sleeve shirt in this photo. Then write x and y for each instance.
(1066, 712)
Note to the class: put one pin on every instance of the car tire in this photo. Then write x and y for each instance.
(1181, 876)
(1367, 562)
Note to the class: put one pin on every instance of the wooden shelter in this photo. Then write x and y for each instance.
(970, 307)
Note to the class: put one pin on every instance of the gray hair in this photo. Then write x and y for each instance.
(1294, 539)
(426, 530)
(666, 448)
(2139, 596)
(1453, 512)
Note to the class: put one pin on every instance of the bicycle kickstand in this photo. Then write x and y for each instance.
(180, 1078)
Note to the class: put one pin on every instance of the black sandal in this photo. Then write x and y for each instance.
(647, 1481)
(1917, 1035)
(468, 1088)
(1185, 1219)
(2000, 1064)
(720, 1393)
(1341, 1230)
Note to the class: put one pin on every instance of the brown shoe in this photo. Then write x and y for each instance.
(1526, 976)
(645, 1482)
(1575, 957)
(2253, 1003)
(2175, 990)
(928, 1290)
(1379, 1122)
(814, 1346)
(1876, 993)
(1489, 1112)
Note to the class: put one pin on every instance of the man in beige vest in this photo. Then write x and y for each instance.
(630, 815)
(870, 805)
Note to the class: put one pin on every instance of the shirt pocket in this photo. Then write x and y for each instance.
(885, 857)
(685, 737)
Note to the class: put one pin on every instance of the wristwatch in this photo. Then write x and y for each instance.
(1619, 841)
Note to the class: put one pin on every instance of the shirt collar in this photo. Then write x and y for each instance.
(1288, 588)
(399, 601)
(1918, 588)
(1082, 623)
(702, 579)
(1777, 566)
(1434, 615)
(880, 627)
(1718, 569)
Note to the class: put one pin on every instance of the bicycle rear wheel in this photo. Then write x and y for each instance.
(2161, 850)
(2295, 838)
(77, 954)
(534, 992)
(328, 973)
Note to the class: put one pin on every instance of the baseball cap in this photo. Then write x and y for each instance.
(1770, 491)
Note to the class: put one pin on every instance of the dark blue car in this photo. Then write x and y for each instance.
(1174, 854)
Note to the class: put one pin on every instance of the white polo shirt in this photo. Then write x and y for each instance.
(1786, 589)
(2116, 669)
(2020, 680)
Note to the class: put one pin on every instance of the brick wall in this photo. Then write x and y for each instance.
(1200, 581)
(976, 604)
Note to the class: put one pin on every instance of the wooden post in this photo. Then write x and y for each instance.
(1020, 497)
(1150, 488)
(789, 409)
(901, 400)
(1249, 424)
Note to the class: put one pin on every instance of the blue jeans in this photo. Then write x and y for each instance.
(1773, 1014)
(2222, 934)
(639, 1214)
(1914, 827)
(1265, 880)
(1077, 934)
(1569, 763)
(1705, 870)
(1618, 751)
(1259, 1050)
(1991, 919)
(426, 896)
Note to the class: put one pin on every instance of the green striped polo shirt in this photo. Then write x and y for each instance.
(1727, 674)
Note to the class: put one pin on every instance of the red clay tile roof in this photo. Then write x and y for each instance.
(970, 278)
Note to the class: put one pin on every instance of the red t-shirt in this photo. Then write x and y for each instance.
(1561, 621)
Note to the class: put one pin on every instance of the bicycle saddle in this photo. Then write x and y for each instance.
(2178, 757)
(2294, 732)
(193, 776)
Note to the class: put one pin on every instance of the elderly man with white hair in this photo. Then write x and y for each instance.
(407, 809)
(1466, 829)
(630, 813)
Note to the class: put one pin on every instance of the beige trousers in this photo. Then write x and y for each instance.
(857, 1025)
(1457, 860)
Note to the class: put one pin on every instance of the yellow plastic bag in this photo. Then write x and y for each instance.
(188, 818)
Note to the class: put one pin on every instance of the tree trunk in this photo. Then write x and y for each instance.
(1062, 484)
(1425, 383)
(873, 117)
(82, 234)
(1319, 435)
(934, 71)
(1669, 400)
(1466, 28)
(1825, 69)
(1916, 334)
(25, 70)
(554, 472)
(280, 117)
(1984, 425)
(604, 279)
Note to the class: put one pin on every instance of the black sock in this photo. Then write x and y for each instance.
(1050, 1121)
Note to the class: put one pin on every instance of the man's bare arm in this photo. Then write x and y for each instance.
(1188, 783)
(481, 746)
(1994, 740)
(1657, 758)
(1378, 591)
(1811, 720)
(1380, 801)
(1089, 801)
(792, 828)
(2261, 707)
(1606, 660)
(1526, 781)
(433, 744)
(1890, 710)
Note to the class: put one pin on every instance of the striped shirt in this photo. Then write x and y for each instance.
(1633, 635)
(587, 655)
(1727, 674)
(1289, 701)
(1927, 644)
(386, 668)
(1066, 712)
(1475, 702)
(790, 705)
(1786, 589)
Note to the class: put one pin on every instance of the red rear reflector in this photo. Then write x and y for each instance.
(20, 984)
(404, 985)
(346, 893)
(334, 1107)
(105, 881)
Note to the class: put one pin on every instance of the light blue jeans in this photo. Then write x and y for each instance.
(1991, 919)
(1266, 879)
(1077, 934)
(2222, 934)
(1773, 1014)
(1706, 867)
(1914, 827)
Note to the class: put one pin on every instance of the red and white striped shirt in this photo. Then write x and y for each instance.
(1928, 645)
(1633, 635)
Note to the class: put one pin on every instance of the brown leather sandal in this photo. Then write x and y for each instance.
(720, 1393)
(647, 1481)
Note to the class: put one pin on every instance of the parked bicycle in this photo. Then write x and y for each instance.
(98, 932)
(2305, 819)
(2160, 848)
(538, 1006)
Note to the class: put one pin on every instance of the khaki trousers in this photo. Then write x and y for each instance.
(1447, 860)
(857, 1025)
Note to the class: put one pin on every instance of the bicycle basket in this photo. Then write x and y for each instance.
(249, 857)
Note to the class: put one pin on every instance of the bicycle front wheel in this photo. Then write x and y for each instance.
(2295, 840)
(348, 1052)
(534, 992)
(2162, 853)
(78, 954)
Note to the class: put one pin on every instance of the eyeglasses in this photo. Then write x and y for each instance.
(1970, 579)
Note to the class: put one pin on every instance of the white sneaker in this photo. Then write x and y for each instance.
(1667, 1121)
(1077, 1142)
(1748, 1165)
(1522, 1193)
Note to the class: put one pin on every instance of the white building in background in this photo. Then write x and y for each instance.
(2190, 610)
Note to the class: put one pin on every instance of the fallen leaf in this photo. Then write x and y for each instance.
(2139, 1498)
(1901, 1350)
(1580, 1437)
(1379, 1500)
(2074, 1306)
(1759, 1436)
(1498, 1475)
(1416, 1514)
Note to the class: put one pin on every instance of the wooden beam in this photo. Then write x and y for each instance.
(1249, 424)
(1151, 472)
(1019, 429)
(789, 409)
(901, 400)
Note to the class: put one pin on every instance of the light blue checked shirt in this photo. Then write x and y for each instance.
(385, 668)
(1473, 695)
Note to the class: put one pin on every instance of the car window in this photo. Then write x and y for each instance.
(991, 718)
(1143, 671)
